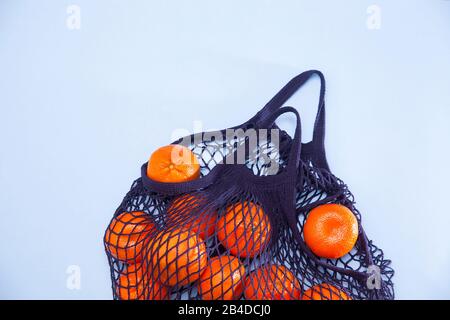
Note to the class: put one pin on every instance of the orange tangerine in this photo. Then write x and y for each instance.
(331, 231)
(274, 282)
(173, 163)
(325, 291)
(178, 257)
(181, 211)
(126, 235)
(222, 279)
(244, 229)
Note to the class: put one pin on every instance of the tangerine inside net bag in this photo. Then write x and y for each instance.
(263, 220)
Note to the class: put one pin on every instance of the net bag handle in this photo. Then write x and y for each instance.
(315, 149)
(295, 152)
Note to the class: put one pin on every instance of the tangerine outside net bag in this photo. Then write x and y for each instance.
(244, 229)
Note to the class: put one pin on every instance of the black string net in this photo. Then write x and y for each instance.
(231, 240)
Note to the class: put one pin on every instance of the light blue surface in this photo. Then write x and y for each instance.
(81, 110)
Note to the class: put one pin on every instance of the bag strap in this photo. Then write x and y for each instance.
(295, 151)
(315, 149)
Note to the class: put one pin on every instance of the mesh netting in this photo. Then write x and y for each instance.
(238, 238)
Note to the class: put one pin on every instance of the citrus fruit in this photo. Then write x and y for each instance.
(222, 279)
(178, 257)
(131, 283)
(244, 229)
(156, 291)
(331, 231)
(274, 282)
(325, 291)
(135, 284)
(126, 235)
(173, 163)
(129, 288)
(183, 210)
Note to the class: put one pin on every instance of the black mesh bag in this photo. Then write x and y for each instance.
(237, 231)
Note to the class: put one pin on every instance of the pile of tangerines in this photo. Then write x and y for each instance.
(158, 261)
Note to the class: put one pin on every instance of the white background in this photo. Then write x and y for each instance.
(81, 110)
